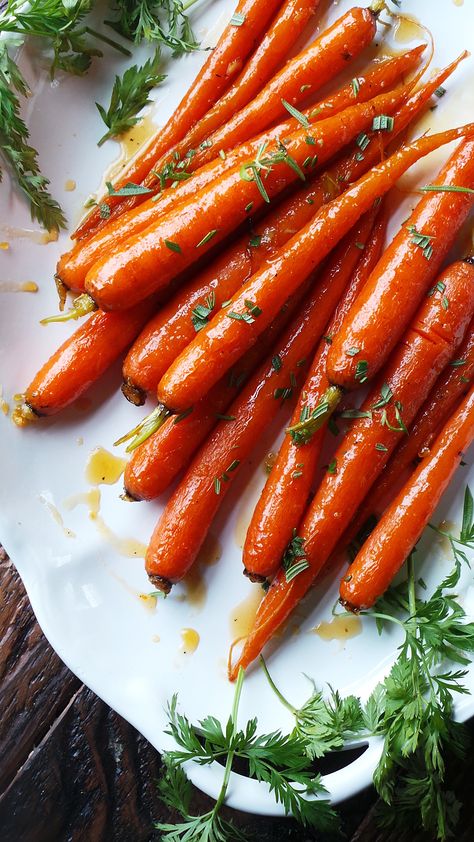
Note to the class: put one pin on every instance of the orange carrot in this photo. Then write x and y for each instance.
(147, 261)
(84, 357)
(222, 66)
(388, 410)
(284, 497)
(157, 462)
(218, 345)
(193, 505)
(388, 301)
(448, 390)
(394, 537)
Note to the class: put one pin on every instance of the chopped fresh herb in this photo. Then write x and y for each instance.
(332, 467)
(361, 372)
(252, 170)
(301, 118)
(381, 447)
(130, 189)
(382, 123)
(445, 302)
(356, 413)
(328, 339)
(294, 557)
(359, 245)
(104, 210)
(206, 144)
(276, 362)
(422, 240)
(362, 141)
(255, 241)
(301, 363)
(207, 238)
(386, 395)
(309, 201)
(253, 311)
(129, 96)
(446, 188)
(439, 92)
(310, 421)
(401, 428)
(237, 19)
(225, 417)
(217, 485)
(201, 312)
(173, 246)
(310, 140)
(222, 154)
(355, 84)
(248, 207)
(352, 352)
(359, 156)
(304, 88)
(457, 363)
(297, 474)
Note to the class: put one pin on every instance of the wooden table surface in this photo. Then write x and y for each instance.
(72, 769)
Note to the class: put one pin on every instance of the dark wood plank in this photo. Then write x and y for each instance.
(35, 685)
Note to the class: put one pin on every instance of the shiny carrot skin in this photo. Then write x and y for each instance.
(84, 357)
(159, 460)
(394, 537)
(147, 261)
(449, 389)
(423, 352)
(225, 338)
(404, 275)
(193, 505)
(284, 499)
(320, 62)
(223, 65)
(74, 265)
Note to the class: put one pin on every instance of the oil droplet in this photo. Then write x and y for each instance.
(4, 246)
(127, 547)
(90, 498)
(407, 28)
(196, 589)
(149, 600)
(4, 406)
(103, 468)
(458, 2)
(155, 638)
(211, 550)
(45, 498)
(269, 461)
(69, 185)
(339, 628)
(19, 397)
(190, 641)
(242, 617)
(35, 235)
(25, 286)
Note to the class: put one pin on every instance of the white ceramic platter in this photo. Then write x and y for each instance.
(84, 591)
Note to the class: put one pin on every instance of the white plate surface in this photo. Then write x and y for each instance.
(84, 592)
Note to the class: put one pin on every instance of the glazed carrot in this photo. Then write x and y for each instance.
(394, 537)
(325, 57)
(222, 66)
(159, 460)
(403, 275)
(74, 265)
(284, 498)
(228, 335)
(451, 386)
(148, 260)
(320, 62)
(421, 355)
(84, 357)
(193, 505)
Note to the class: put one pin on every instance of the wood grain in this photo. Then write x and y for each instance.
(72, 770)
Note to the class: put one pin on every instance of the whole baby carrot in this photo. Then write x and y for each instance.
(379, 316)
(324, 58)
(74, 265)
(397, 532)
(221, 67)
(84, 357)
(284, 498)
(149, 260)
(449, 389)
(387, 412)
(234, 328)
(156, 462)
(191, 509)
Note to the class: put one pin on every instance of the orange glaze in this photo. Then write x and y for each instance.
(401, 526)
(421, 355)
(145, 263)
(222, 66)
(225, 339)
(82, 359)
(403, 276)
(448, 390)
(284, 498)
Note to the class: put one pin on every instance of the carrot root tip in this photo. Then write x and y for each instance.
(62, 291)
(254, 577)
(133, 393)
(160, 583)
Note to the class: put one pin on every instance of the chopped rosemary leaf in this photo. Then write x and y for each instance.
(201, 312)
(352, 352)
(225, 417)
(310, 140)
(360, 245)
(362, 141)
(355, 84)
(237, 19)
(386, 395)
(422, 240)
(173, 246)
(276, 362)
(104, 210)
(382, 123)
(332, 467)
(182, 415)
(208, 237)
(130, 189)
(217, 485)
(301, 118)
(362, 368)
(248, 207)
(356, 413)
(439, 92)
(446, 188)
(457, 363)
(381, 447)
(255, 241)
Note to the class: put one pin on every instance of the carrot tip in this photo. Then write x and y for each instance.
(62, 291)
(83, 305)
(133, 393)
(254, 577)
(160, 583)
(23, 415)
